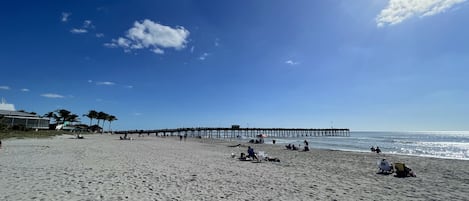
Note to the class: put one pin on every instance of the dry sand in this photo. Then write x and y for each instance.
(101, 167)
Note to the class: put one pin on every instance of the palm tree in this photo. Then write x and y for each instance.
(63, 115)
(111, 118)
(92, 114)
(49, 115)
(102, 116)
(72, 118)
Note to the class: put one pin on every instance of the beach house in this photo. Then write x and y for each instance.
(12, 118)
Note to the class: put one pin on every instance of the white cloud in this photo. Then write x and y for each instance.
(399, 10)
(158, 51)
(290, 62)
(151, 35)
(217, 43)
(65, 16)
(51, 95)
(24, 90)
(129, 87)
(4, 88)
(192, 49)
(78, 31)
(110, 45)
(105, 83)
(203, 56)
(99, 35)
(88, 24)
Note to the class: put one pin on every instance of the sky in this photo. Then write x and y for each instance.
(365, 64)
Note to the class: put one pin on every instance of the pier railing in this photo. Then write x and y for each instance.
(207, 132)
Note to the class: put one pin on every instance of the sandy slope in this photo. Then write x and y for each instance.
(101, 167)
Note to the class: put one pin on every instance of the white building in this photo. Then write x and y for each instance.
(11, 118)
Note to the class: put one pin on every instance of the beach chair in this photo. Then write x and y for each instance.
(385, 167)
(261, 155)
(401, 170)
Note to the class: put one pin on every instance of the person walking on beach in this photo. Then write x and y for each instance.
(378, 150)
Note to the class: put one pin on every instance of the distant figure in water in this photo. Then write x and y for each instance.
(378, 150)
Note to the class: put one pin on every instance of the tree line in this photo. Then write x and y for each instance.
(61, 116)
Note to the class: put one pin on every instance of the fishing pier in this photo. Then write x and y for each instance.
(236, 132)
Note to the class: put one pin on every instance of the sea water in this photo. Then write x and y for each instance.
(439, 144)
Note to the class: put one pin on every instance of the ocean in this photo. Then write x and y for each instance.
(438, 144)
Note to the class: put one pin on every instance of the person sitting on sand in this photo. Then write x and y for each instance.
(272, 159)
(385, 167)
(242, 157)
(234, 145)
(288, 146)
(306, 148)
(125, 137)
(403, 171)
(294, 147)
(306, 143)
(251, 153)
(372, 149)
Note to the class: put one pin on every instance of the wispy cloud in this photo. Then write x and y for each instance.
(217, 42)
(78, 31)
(99, 35)
(85, 27)
(24, 90)
(192, 49)
(105, 83)
(129, 87)
(65, 16)
(87, 24)
(153, 36)
(52, 95)
(204, 56)
(399, 10)
(4, 88)
(290, 62)
(158, 51)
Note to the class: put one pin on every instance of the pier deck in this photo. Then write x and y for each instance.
(208, 132)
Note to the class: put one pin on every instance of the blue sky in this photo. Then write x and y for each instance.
(364, 65)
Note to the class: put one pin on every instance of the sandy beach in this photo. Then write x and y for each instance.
(101, 167)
